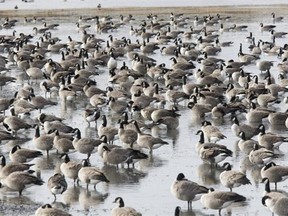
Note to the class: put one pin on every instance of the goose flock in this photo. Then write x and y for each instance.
(93, 107)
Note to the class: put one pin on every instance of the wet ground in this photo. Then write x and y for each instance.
(147, 186)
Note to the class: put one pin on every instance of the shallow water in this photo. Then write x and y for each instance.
(147, 187)
(66, 4)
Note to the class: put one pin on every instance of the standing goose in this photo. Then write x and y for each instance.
(266, 27)
(40, 102)
(7, 169)
(148, 141)
(219, 199)
(170, 122)
(14, 123)
(109, 131)
(117, 106)
(201, 144)
(70, 168)
(187, 190)
(117, 156)
(247, 129)
(276, 18)
(270, 140)
(277, 206)
(231, 178)
(269, 192)
(57, 184)
(84, 145)
(43, 142)
(22, 155)
(47, 209)
(246, 145)
(122, 210)
(214, 155)
(275, 173)
(175, 96)
(161, 113)
(62, 144)
(90, 175)
(261, 156)
(211, 132)
(127, 136)
(20, 180)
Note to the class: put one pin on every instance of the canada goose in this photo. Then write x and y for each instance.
(187, 190)
(201, 144)
(90, 89)
(40, 102)
(117, 156)
(14, 123)
(56, 125)
(47, 209)
(233, 92)
(211, 132)
(266, 27)
(48, 117)
(70, 168)
(91, 115)
(247, 58)
(148, 141)
(264, 65)
(276, 205)
(117, 106)
(22, 106)
(199, 110)
(4, 80)
(276, 18)
(170, 122)
(43, 142)
(22, 155)
(57, 184)
(62, 144)
(5, 135)
(109, 131)
(246, 145)
(271, 193)
(123, 210)
(213, 154)
(277, 34)
(275, 173)
(84, 145)
(127, 136)
(90, 175)
(161, 113)
(261, 156)
(231, 178)
(20, 180)
(256, 115)
(7, 169)
(247, 129)
(5, 104)
(181, 65)
(270, 140)
(219, 199)
(66, 94)
(175, 96)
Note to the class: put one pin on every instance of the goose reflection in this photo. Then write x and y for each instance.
(189, 212)
(152, 161)
(17, 200)
(71, 195)
(208, 174)
(122, 175)
(163, 132)
(91, 198)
